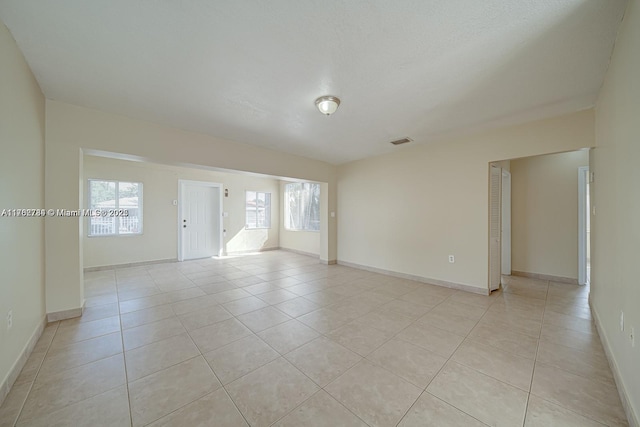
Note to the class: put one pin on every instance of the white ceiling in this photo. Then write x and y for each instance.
(250, 70)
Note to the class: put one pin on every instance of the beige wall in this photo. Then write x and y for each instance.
(616, 197)
(21, 186)
(72, 130)
(407, 211)
(544, 213)
(160, 187)
(301, 241)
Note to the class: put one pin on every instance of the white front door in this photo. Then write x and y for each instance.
(200, 219)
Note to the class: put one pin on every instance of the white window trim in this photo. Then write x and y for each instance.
(246, 226)
(117, 190)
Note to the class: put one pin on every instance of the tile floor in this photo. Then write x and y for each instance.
(278, 339)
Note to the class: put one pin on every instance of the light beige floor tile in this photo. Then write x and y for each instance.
(578, 340)
(431, 411)
(32, 365)
(513, 323)
(406, 308)
(73, 385)
(324, 297)
(239, 358)
(387, 321)
(263, 318)
(373, 394)
(159, 355)
(261, 288)
(149, 315)
(201, 318)
(268, 393)
(184, 294)
(570, 309)
(214, 288)
(219, 334)
(80, 353)
(244, 305)
(506, 340)
(277, 296)
(70, 333)
(360, 338)
(213, 409)
(484, 398)
(506, 367)
(484, 301)
(457, 308)
(161, 393)
(12, 404)
(408, 361)
(109, 409)
(151, 332)
(593, 365)
(451, 322)
(569, 322)
(420, 296)
(194, 304)
(144, 302)
(352, 308)
(323, 360)
(99, 312)
(594, 399)
(110, 298)
(324, 320)
(297, 306)
(141, 292)
(232, 295)
(288, 336)
(541, 413)
(321, 410)
(437, 340)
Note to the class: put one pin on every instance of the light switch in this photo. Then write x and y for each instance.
(333, 214)
(225, 214)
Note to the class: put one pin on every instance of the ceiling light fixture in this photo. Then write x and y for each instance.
(328, 104)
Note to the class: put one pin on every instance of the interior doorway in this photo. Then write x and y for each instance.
(199, 219)
(584, 227)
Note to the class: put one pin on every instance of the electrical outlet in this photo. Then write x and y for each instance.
(622, 321)
(632, 337)
(452, 259)
(9, 319)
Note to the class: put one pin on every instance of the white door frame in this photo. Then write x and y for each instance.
(583, 175)
(505, 223)
(181, 184)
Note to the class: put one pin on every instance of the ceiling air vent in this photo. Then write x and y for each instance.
(401, 141)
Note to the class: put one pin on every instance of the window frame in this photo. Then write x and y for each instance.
(287, 207)
(117, 203)
(267, 213)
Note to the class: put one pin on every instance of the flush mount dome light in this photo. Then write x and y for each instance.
(327, 104)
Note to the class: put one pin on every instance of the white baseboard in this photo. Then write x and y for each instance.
(15, 370)
(541, 276)
(65, 314)
(251, 251)
(443, 283)
(629, 410)
(128, 265)
(295, 251)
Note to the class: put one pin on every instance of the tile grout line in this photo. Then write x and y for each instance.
(15, 422)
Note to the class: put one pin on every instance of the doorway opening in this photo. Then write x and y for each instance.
(584, 227)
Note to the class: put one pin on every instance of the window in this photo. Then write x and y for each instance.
(119, 205)
(258, 208)
(302, 206)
